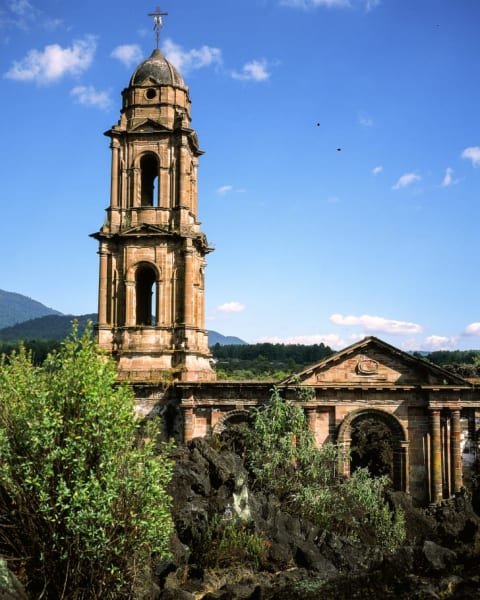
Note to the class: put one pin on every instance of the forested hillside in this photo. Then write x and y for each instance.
(15, 308)
(256, 361)
(465, 363)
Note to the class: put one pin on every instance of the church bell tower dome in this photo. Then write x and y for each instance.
(152, 250)
(157, 70)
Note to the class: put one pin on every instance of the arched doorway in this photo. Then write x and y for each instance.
(376, 440)
(371, 446)
(233, 417)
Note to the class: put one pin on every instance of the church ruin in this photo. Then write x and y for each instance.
(151, 315)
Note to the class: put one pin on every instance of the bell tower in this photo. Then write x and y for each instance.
(152, 250)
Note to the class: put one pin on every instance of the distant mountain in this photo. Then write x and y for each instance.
(224, 340)
(15, 308)
(51, 327)
(57, 327)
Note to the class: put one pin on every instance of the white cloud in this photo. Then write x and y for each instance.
(22, 14)
(365, 120)
(374, 323)
(307, 4)
(377, 170)
(188, 60)
(315, 3)
(231, 307)
(128, 54)
(20, 7)
(371, 4)
(472, 153)
(89, 96)
(329, 339)
(405, 180)
(54, 62)
(472, 329)
(255, 70)
(448, 179)
(440, 342)
(224, 189)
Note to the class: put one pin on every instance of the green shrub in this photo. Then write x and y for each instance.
(283, 458)
(83, 502)
(226, 543)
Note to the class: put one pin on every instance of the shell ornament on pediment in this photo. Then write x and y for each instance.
(367, 366)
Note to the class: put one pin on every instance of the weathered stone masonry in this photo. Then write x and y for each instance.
(151, 315)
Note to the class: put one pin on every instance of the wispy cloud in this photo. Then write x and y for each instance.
(189, 60)
(472, 153)
(22, 14)
(224, 189)
(227, 189)
(439, 342)
(309, 4)
(472, 329)
(315, 3)
(371, 4)
(377, 170)
(365, 120)
(406, 180)
(128, 54)
(375, 323)
(231, 307)
(54, 62)
(448, 178)
(89, 96)
(255, 70)
(330, 339)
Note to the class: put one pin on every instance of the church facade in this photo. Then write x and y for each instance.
(151, 316)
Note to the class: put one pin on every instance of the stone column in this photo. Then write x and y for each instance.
(102, 288)
(188, 424)
(114, 175)
(130, 307)
(188, 288)
(436, 456)
(455, 434)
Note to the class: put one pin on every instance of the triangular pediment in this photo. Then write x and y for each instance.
(144, 229)
(148, 126)
(374, 362)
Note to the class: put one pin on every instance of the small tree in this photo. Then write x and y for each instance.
(83, 502)
(283, 458)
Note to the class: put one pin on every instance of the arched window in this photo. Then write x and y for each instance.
(149, 174)
(146, 296)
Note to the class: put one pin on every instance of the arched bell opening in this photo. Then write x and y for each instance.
(149, 180)
(146, 296)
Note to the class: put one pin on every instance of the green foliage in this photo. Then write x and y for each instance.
(465, 363)
(83, 502)
(38, 349)
(283, 458)
(226, 543)
(267, 361)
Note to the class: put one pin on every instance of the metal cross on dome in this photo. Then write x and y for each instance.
(157, 22)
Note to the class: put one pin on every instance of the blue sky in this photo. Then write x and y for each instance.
(340, 183)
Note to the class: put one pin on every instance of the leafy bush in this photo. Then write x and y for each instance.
(226, 543)
(83, 502)
(283, 458)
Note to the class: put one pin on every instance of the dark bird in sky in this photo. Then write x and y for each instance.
(339, 149)
(318, 124)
